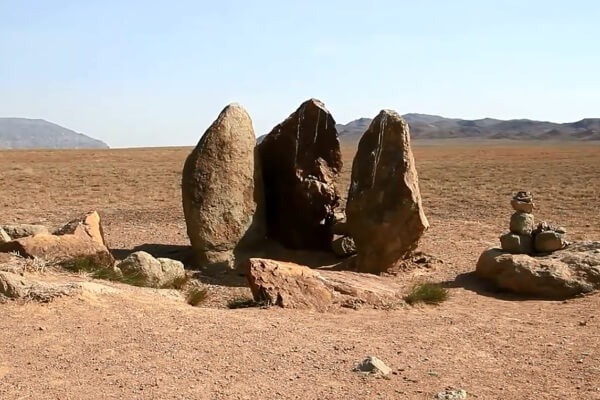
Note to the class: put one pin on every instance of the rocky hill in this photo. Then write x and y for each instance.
(424, 126)
(24, 133)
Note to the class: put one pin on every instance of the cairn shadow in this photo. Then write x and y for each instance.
(469, 281)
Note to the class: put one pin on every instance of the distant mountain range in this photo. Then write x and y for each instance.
(424, 126)
(23, 133)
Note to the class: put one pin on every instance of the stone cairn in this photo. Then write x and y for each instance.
(524, 236)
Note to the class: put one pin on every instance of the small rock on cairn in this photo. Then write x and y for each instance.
(524, 237)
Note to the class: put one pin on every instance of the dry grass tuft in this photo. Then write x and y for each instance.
(428, 293)
(196, 296)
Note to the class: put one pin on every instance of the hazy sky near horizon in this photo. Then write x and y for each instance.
(157, 73)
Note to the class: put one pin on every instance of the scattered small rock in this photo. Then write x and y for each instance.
(150, 271)
(452, 394)
(373, 365)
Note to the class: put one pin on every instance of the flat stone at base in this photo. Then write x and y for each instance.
(516, 244)
(215, 259)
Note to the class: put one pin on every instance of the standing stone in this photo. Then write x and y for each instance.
(384, 210)
(300, 160)
(218, 188)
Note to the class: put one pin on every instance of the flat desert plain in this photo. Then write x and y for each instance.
(140, 345)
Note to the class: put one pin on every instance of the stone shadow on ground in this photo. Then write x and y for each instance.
(224, 276)
(469, 281)
(175, 252)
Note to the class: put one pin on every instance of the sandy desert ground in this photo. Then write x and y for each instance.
(144, 346)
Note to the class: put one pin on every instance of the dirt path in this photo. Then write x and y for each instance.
(138, 348)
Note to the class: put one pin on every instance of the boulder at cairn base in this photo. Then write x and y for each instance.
(561, 274)
(218, 187)
(300, 159)
(384, 211)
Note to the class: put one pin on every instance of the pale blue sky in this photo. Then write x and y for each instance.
(157, 73)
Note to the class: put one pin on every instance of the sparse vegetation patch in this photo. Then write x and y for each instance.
(428, 293)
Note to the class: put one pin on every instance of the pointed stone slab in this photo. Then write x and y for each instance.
(300, 160)
(218, 187)
(384, 212)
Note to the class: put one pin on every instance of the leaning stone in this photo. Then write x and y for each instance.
(58, 248)
(548, 241)
(218, 188)
(343, 246)
(516, 244)
(559, 275)
(522, 223)
(88, 225)
(17, 231)
(4, 236)
(300, 160)
(373, 365)
(384, 210)
(522, 206)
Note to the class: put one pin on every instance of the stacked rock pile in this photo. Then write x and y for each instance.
(524, 236)
(519, 240)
